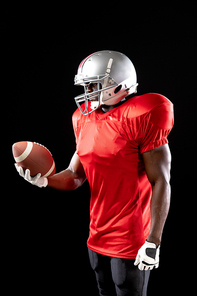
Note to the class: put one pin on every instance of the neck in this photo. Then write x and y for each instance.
(106, 108)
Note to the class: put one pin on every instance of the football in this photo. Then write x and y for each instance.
(35, 157)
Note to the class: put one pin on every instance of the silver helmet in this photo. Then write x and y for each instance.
(114, 76)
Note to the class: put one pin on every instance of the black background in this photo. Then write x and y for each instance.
(45, 231)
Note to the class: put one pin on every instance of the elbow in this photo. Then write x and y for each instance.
(162, 189)
(74, 183)
(161, 183)
(161, 179)
(165, 182)
(161, 195)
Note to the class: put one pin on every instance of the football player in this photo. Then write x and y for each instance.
(122, 150)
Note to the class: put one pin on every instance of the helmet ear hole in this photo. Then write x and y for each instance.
(118, 88)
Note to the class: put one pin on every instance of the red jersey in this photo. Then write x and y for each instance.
(110, 147)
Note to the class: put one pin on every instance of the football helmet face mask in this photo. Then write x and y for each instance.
(107, 78)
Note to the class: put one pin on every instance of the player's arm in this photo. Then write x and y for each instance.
(71, 178)
(157, 164)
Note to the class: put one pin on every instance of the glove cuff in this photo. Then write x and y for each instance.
(152, 245)
(42, 182)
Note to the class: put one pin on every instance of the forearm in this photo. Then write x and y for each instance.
(65, 180)
(160, 204)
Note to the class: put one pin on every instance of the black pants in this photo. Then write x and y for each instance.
(116, 276)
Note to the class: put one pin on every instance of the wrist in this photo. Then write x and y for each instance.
(153, 239)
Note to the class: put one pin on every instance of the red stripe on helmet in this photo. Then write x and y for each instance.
(81, 64)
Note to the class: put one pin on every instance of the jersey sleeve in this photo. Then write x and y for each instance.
(156, 126)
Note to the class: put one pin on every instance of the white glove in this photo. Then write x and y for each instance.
(148, 256)
(36, 180)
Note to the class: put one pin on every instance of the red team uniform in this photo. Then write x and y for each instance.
(110, 147)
